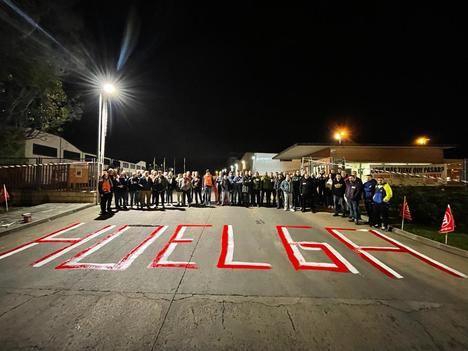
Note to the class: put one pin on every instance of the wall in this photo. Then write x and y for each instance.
(31, 197)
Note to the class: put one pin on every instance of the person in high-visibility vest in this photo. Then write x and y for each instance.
(208, 183)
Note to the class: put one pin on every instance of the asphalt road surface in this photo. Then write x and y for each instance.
(245, 285)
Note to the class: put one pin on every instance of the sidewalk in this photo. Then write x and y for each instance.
(13, 220)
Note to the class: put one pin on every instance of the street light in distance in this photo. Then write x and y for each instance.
(340, 135)
(422, 140)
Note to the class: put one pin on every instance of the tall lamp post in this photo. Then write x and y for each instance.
(107, 90)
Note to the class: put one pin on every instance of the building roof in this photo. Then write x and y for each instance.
(300, 150)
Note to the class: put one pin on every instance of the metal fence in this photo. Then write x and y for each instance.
(77, 176)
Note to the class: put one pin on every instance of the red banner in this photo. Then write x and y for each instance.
(405, 211)
(448, 224)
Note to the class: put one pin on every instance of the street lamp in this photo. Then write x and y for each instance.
(107, 90)
(422, 141)
(340, 135)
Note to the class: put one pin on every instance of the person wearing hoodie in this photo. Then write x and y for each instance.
(353, 194)
(381, 201)
(369, 189)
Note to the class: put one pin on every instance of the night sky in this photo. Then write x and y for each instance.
(215, 78)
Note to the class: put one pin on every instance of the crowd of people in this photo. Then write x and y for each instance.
(293, 191)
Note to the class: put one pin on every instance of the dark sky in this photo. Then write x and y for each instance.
(221, 77)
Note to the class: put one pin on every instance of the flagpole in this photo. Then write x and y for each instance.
(403, 214)
(446, 238)
(6, 197)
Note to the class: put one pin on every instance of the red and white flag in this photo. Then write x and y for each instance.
(4, 196)
(405, 211)
(448, 224)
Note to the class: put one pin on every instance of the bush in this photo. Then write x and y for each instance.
(428, 204)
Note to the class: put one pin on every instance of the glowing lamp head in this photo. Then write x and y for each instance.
(422, 141)
(109, 88)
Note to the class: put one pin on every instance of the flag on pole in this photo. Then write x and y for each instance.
(405, 211)
(4, 196)
(448, 224)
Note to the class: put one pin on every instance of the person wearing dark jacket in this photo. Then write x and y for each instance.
(145, 185)
(133, 189)
(225, 190)
(353, 194)
(256, 189)
(171, 185)
(105, 193)
(296, 194)
(279, 192)
(246, 189)
(238, 180)
(197, 187)
(338, 191)
(267, 187)
(369, 189)
(121, 191)
(306, 189)
(160, 186)
(381, 201)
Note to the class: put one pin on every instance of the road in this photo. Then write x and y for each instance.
(133, 291)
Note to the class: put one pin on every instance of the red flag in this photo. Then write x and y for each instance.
(4, 196)
(448, 224)
(405, 211)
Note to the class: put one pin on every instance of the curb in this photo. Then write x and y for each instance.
(429, 242)
(43, 220)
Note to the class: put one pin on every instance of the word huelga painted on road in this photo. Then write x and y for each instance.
(294, 250)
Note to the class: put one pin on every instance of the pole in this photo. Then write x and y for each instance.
(174, 167)
(164, 164)
(184, 164)
(446, 238)
(98, 155)
(403, 214)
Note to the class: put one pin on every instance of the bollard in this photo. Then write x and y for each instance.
(27, 217)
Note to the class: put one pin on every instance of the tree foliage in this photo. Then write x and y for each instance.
(34, 67)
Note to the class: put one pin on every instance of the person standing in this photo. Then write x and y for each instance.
(208, 183)
(256, 189)
(187, 189)
(296, 195)
(145, 184)
(338, 191)
(306, 188)
(369, 189)
(197, 187)
(238, 187)
(178, 186)
(353, 194)
(381, 202)
(267, 186)
(287, 189)
(231, 179)
(105, 193)
(171, 182)
(246, 189)
(133, 189)
(225, 190)
(279, 193)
